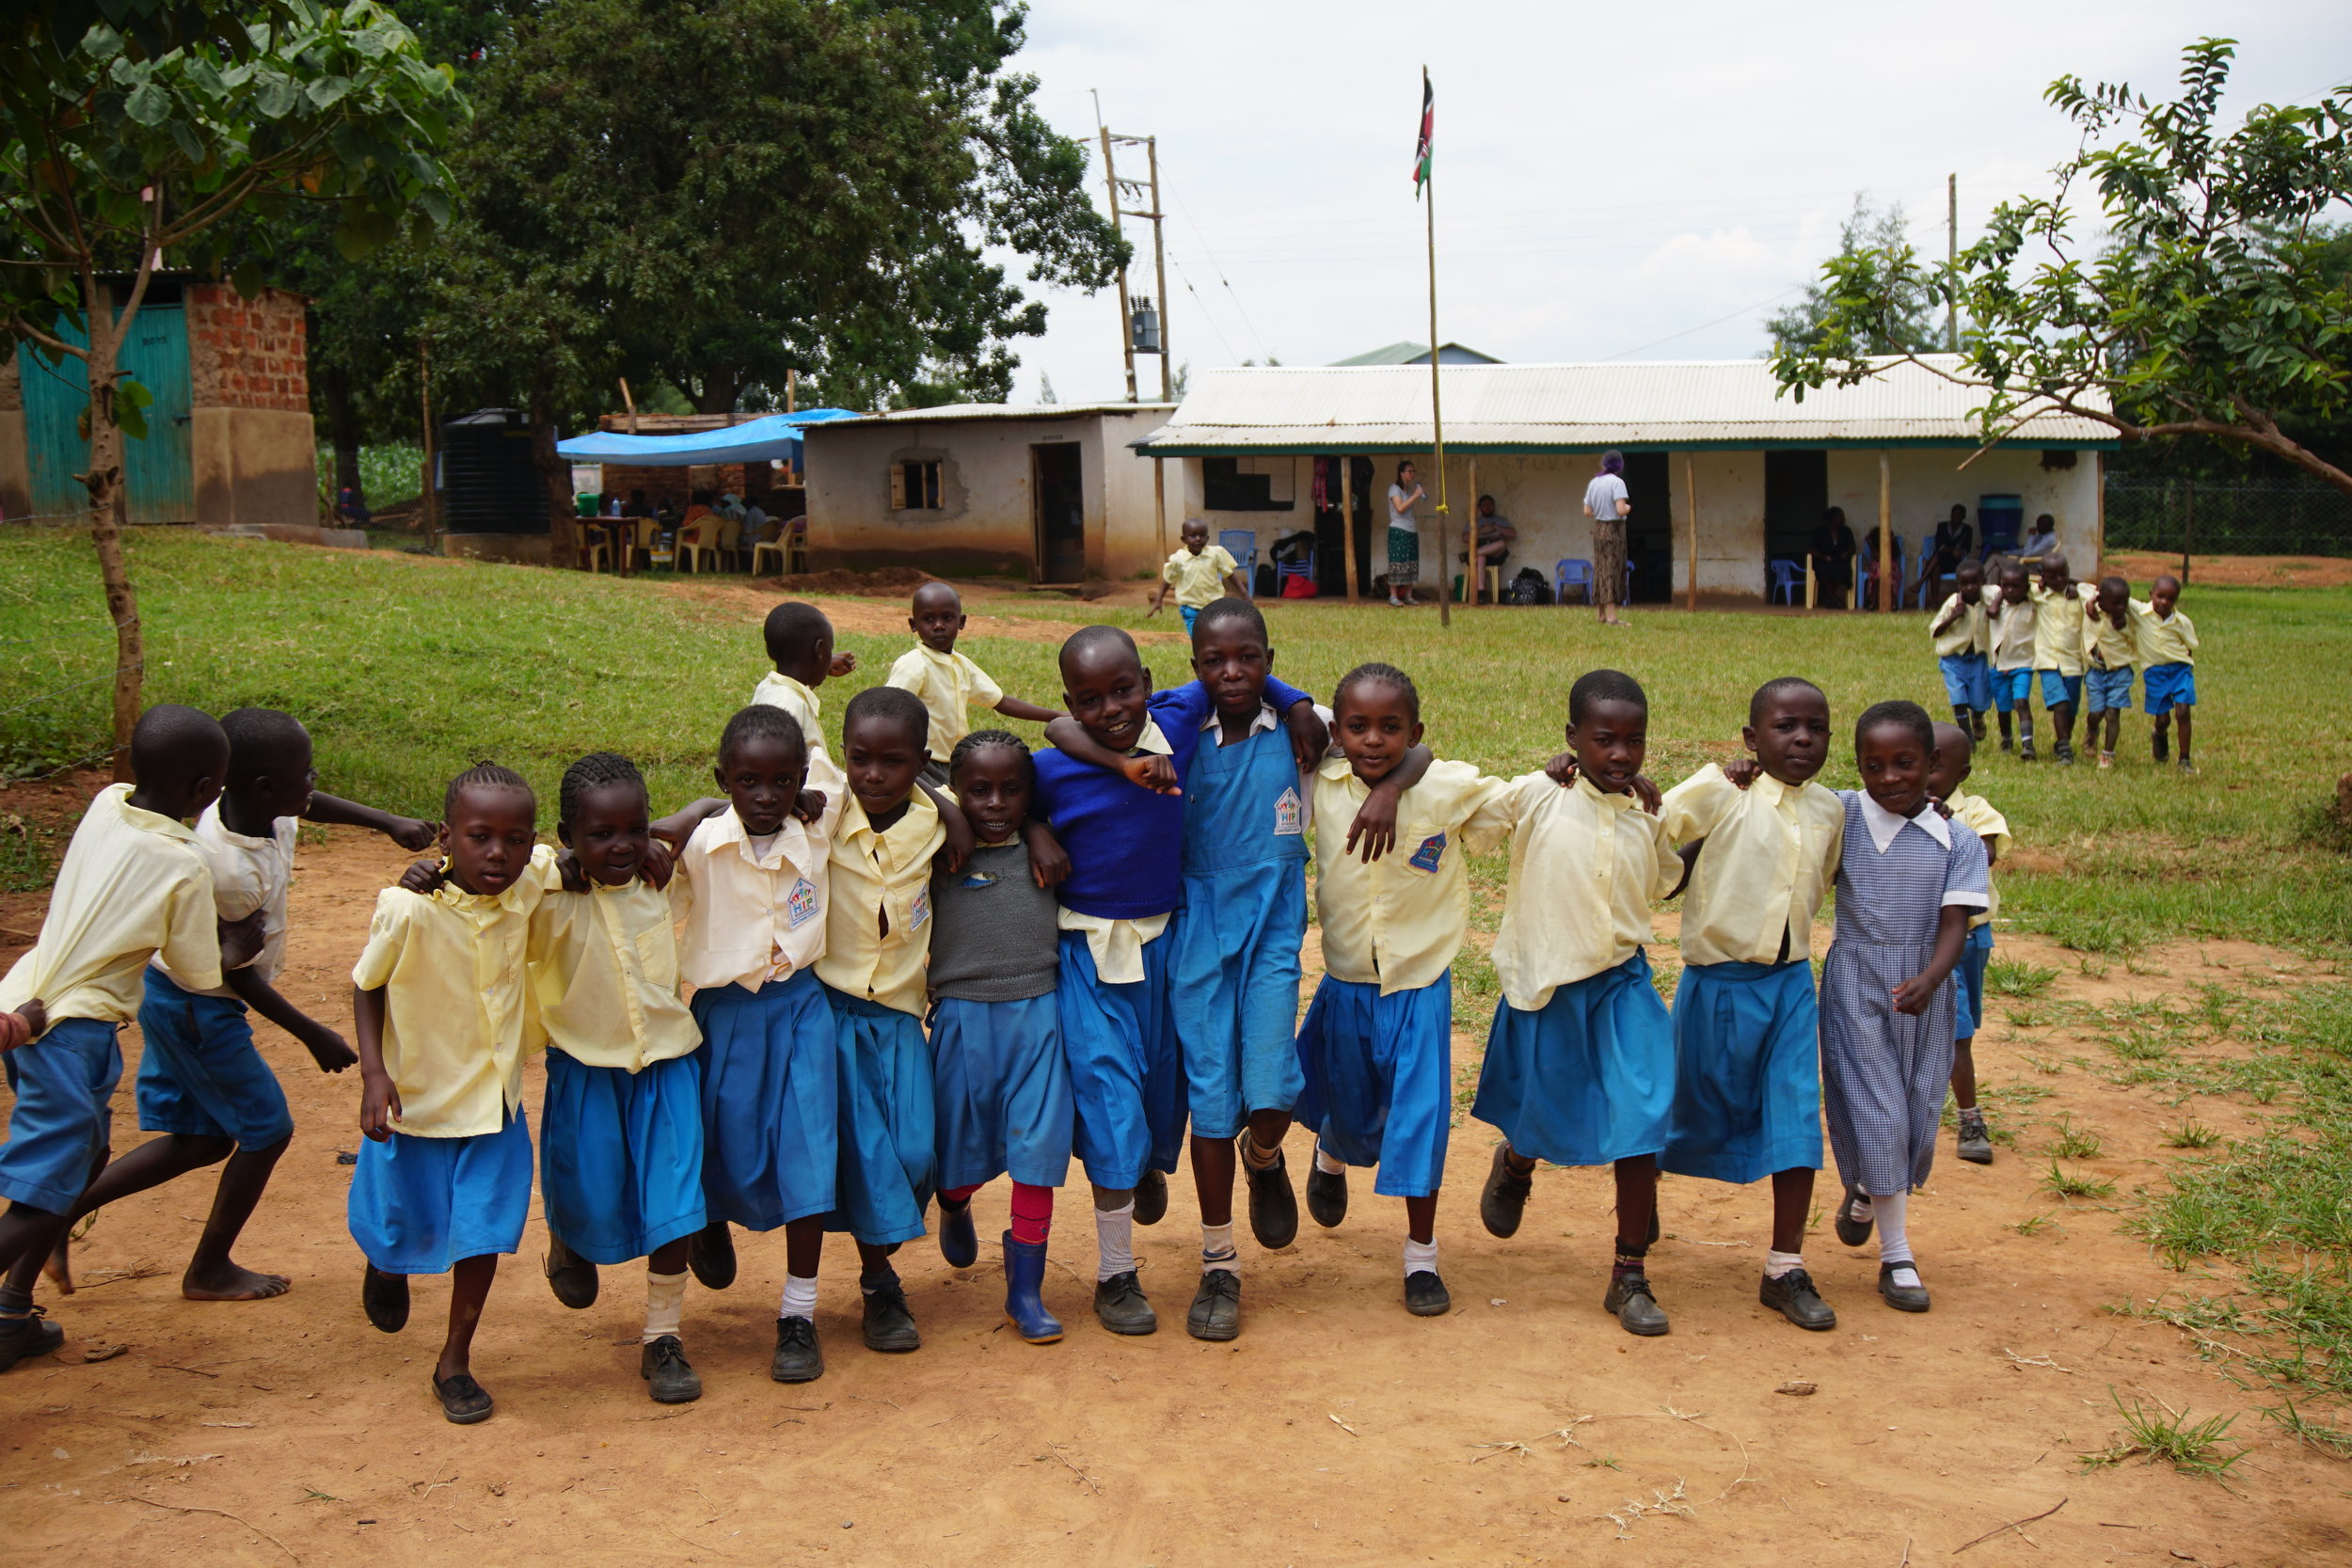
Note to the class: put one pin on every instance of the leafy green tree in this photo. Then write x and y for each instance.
(1866, 241)
(2217, 306)
(134, 129)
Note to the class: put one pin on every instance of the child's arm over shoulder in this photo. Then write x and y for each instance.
(407, 831)
(1154, 773)
(1696, 806)
(1375, 826)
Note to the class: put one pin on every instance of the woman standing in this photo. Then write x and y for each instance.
(1605, 504)
(1404, 534)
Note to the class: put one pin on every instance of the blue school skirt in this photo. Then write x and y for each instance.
(1126, 1074)
(199, 1073)
(1588, 1080)
(888, 1165)
(621, 1155)
(419, 1205)
(2109, 689)
(1968, 994)
(2012, 688)
(1379, 1080)
(1234, 973)
(2167, 687)
(1001, 1085)
(1747, 1072)
(768, 1066)
(1967, 681)
(63, 1117)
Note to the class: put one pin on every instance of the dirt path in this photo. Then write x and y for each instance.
(1336, 1430)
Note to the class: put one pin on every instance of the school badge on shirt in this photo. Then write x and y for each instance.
(800, 908)
(922, 909)
(1432, 850)
(1287, 813)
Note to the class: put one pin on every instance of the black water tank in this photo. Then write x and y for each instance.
(489, 482)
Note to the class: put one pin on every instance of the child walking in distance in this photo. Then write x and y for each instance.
(1747, 1098)
(1962, 641)
(1953, 751)
(949, 684)
(1908, 880)
(443, 1183)
(2059, 653)
(1580, 1067)
(202, 1083)
(749, 891)
(800, 643)
(2167, 643)
(2009, 625)
(2112, 643)
(1376, 1048)
(135, 882)
(1199, 572)
(1000, 1081)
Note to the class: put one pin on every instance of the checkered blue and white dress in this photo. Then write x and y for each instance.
(1883, 1075)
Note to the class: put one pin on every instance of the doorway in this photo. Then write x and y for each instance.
(1061, 519)
(1332, 530)
(1649, 527)
(1796, 493)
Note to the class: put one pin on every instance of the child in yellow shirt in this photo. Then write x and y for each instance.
(800, 643)
(949, 683)
(2167, 643)
(2060, 654)
(1200, 573)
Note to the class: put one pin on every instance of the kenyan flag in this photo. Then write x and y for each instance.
(1428, 124)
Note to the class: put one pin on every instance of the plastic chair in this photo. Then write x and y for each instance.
(696, 540)
(1286, 570)
(1242, 545)
(765, 547)
(589, 545)
(1572, 574)
(1788, 581)
(1626, 597)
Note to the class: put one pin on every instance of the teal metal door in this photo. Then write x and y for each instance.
(157, 473)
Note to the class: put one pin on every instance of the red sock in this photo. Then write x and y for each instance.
(958, 1196)
(1032, 1213)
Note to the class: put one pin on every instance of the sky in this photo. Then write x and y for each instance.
(1627, 183)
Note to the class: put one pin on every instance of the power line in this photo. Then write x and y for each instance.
(1704, 325)
(1221, 272)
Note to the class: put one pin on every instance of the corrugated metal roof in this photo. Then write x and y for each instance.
(956, 412)
(1537, 408)
(1409, 353)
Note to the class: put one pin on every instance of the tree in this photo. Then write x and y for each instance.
(2218, 308)
(134, 129)
(1869, 235)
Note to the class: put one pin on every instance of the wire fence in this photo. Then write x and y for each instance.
(2254, 517)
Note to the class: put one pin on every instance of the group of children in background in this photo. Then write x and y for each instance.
(841, 991)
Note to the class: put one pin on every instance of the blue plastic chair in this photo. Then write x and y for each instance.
(1788, 580)
(1572, 574)
(1626, 597)
(1286, 570)
(1242, 545)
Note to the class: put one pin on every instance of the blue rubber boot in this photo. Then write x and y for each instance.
(1025, 1307)
(957, 1244)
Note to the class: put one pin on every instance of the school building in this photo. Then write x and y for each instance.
(1724, 475)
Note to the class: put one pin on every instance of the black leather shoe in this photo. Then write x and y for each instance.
(1976, 1139)
(385, 1299)
(22, 1338)
(1792, 1295)
(1215, 1306)
(1273, 1207)
(799, 1357)
(889, 1325)
(463, 1401)
(1119, 1304)
(1327, 1195)
(571, 1276)
(1902, 1298)
(1636, 1308)
(1503, 1200)
(1151, 1198)
(1852, 1232)
(710, 1253)
(1425, 1295)
(669, 1377)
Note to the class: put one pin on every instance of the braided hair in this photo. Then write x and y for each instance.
(979, 740)
(481, 775)
(593, 771)
(1380, 674)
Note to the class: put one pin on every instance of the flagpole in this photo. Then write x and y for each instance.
(1436, 413)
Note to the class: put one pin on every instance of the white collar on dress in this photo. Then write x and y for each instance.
(1884, 824)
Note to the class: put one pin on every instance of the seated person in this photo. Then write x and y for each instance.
(1870, 567)
(758, 527)
(731, 505)
(2042, 540)
(638, 505)
(1495, 536)
(1831, 552)
(351, 508)
(1954, 542)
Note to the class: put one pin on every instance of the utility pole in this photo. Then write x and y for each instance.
(1951, 254)
(1142, 323)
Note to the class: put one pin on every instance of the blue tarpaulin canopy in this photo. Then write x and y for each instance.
(774, 439)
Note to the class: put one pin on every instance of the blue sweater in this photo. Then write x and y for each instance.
(1125, 844)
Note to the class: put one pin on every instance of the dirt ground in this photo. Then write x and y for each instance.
(2236, 571)
(1525, 1427)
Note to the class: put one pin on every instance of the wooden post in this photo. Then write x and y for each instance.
(791, 391)
(630, 404)
(1889, 576)
(1811, 591)
(431, 512)
(1159, 502)
(1471, 571)
(1690, 484)
(2189, 525)
(1348, 522)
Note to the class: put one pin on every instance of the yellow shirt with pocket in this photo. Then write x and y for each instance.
(452, 966)
(1976, 814)
(751, 912)
(877, 923)
(950, 686)
(1398, 921)
(778, 690)
(1967, 634)
(604, 977)
(2008, 632)
(1584, 867)
(1770, 858)
(2163, 639)
(134, 886)
(2111, 647)
(2059, 636)
(1200, 579)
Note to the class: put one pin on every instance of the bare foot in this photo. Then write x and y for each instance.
(229, 1282)
(58, 1265)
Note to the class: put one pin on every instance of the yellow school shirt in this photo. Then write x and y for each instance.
(748, 915)
(778, 690)
(1200, 578)
(1116, 946)
(879, 875)
(604, 977)
(451, 966)
(2110, 646)
(1398, 921)
(1977, 813)
(134, 886)
(2009, 628)
(1967, 634)
(1584, 867)
(1770, 856)
(2171, 639)
(950, 686)
(2059, 633)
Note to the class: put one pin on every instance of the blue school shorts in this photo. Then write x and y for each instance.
(1192, 613)
(421, 1205)
(2110, 688)
(200, 1073)
(2012, 688)
(1967, 681)
(2058, 689)
(1968, 994)
(61, 1123)
(2170, 685)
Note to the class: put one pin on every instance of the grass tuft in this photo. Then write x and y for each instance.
(2010, 977)
(2191, 1134)
(2070, 1185)
(2073, 1143)
(2191, 1447)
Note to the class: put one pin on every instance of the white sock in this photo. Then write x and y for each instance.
(1779, 1263)
(1115, 1239)
(1861, 1209)
(800, 1297)
(1893, 1242)
(665, 1303)
(1329, 1164)
(1420, 1256)
(1217, 1248)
